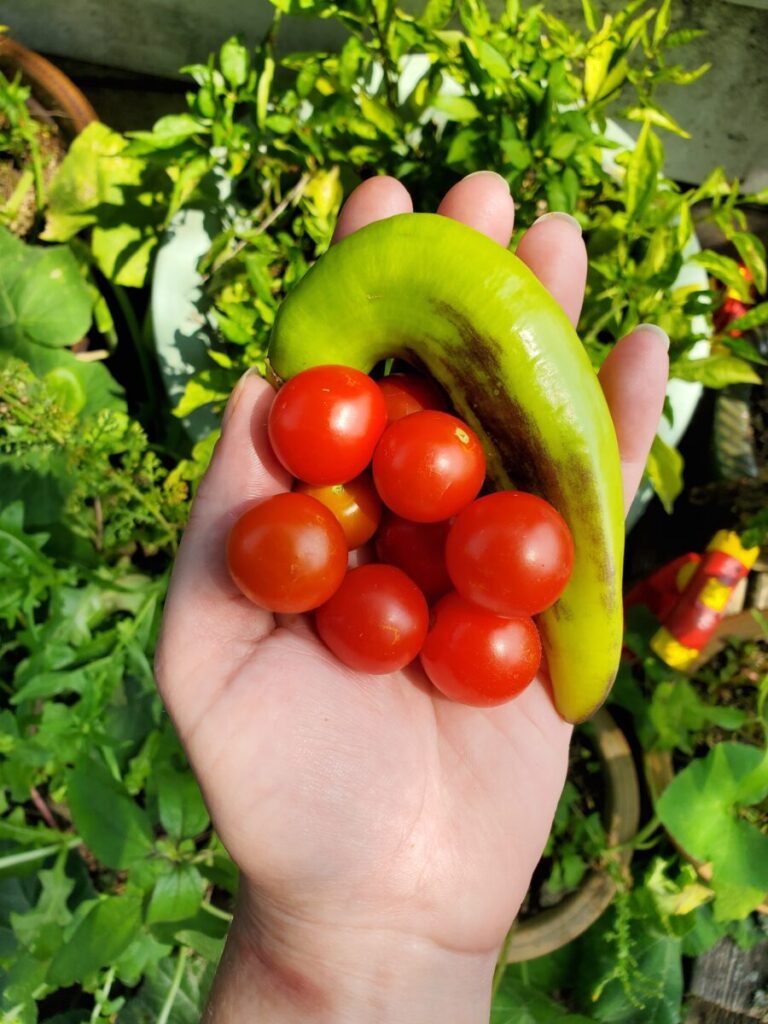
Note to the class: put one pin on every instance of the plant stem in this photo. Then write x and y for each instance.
(209, 908)
(637, 840)
(390, 71)
(178, 974)
(39, 854)
(101, 997)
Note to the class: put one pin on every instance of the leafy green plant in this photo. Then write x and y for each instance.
(269, 149)
(96, 798)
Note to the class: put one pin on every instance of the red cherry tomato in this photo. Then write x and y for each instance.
(476, 657)
(288, 553)
(324, 424)
(405, 393)
(376, 621)
(428, 466)
(511, 553)
(419, 550)
(355, 504)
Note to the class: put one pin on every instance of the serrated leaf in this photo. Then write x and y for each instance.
(177, 894)
(107, 929)
(665, 472)
(110, 822)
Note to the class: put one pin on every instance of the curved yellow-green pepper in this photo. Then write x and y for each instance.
(446, 298)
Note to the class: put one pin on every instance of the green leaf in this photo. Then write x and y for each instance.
(494, 62)
(170, 131)
(665, 472)
(516, 1003)
(456, 108)
(105, 184)
(379, 115)
(111, 824)
(182, 810)
(752, 252)
(724, 269)
(661, 27)
(205, 945)
(263, 89)
(659, 117)
(39, 930)
(700, 808)
(177, 894)
(643, 168)
(677, 712)
(43, 297)
(590, 15)
(715, 371)
(107, 929)
(436, 13)
(234, 61)
(189, 999)
(756, 317)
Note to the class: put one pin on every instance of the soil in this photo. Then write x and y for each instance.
(585, 772)
(53, 148)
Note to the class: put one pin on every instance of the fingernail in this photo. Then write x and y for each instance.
(559, 215)
(492, 174)
(655, 329)
(237, 394)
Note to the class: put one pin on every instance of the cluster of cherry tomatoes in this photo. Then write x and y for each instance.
(457, 578)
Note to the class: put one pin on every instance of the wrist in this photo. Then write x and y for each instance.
(288, 969)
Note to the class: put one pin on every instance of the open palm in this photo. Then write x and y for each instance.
(371, 801)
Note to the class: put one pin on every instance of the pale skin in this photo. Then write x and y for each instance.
(385, 836)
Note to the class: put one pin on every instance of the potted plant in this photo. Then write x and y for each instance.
(266, 166)
(41, 112)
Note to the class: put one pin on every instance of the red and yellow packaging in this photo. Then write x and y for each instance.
(692, 620)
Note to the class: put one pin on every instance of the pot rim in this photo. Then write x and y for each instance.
(72, 111)
(559, 925)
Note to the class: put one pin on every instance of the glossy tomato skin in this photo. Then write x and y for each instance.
(428, 466)
(376, 621)
(325, 422)
(478, 658)
(288, 553)
(419, 550)
(511, 553)
(405, 393)
(355, 504)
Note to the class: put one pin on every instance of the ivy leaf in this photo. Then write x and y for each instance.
(110, 822)
(715, 371)
(700, 808)
(177, 894)
(108, 928)
(182, 810)
(665, 472)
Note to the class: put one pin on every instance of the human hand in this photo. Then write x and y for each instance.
(385, 836)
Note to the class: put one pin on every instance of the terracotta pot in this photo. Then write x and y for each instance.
(559, 925)
(57, 96)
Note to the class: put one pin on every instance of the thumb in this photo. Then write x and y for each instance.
(207, 623)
